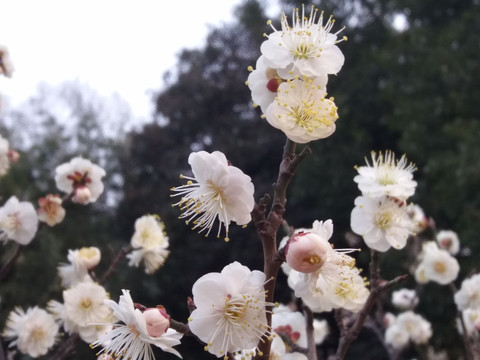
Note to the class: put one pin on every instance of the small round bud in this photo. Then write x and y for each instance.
(158, 321)
(81, 195)
(307, 252)
(89, 257)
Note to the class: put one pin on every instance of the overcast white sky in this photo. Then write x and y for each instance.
(119, 46)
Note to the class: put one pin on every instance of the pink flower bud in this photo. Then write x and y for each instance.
(13, 155)
(81, 195)
(307, 252)
(158, 321)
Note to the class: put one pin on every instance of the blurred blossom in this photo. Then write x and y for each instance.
(407, 327)
(150, 243)
(386, 177)
(33, 332)
(448, 240)
(4, 156)
(469, 294)
(230, 312)
(217, 190)
(81, 261)
(320, 330)
(6, 65)
(131, 340)
(436, 265)
(404, 299)
(18, 221)
(51, 210)
(81, 178)
(420, 221)
(383, 222)
(471, 319)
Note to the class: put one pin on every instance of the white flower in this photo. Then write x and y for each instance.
(305, 48)
(150, 243)
(336, 284)
(386, 176)
(216, 191)
(81, 260)
(264, 83)
(408, 326)
(471, 319)
(404, 299)
(6, 65)
(302, 111)
(51, 210)
(131, 339)
(230, 310)
(33, 332)
(382, 222)
(18, 221)
(448, 240)
(4, 158)
(81, 177)
(438, 265)
(469, 294)
(420, 221)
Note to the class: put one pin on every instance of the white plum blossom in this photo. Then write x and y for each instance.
(437, 264)
(83, 311)
(81, 261)
(404, 299)
(420, 221)
(382, 222)
(51, 210)
(406, 327)
(230, 313)
(264, 83)
(471, 319)
(33, 331)
(132, 340)
(6, 64)
(336, 284)
(18, 221)
(302, 111)
(217, 190)
(150, 243)
(468, 296)
(81, 178)
(386, 176)
(448, 240)
(306, 48)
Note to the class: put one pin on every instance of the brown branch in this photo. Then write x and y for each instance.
(267, 228)
(10, 262)
(352, 333)
(113, 266)
(312, 351)
(65, 350)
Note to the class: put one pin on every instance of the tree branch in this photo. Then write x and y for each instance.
(9, 264)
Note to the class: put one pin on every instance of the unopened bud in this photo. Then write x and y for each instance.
(89, 257)
(307, 252)
(13, 155)
(157, 320)
(81, 195)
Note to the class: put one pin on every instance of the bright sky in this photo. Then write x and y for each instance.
(121, 46)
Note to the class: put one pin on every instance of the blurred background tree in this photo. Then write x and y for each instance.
(408, 84)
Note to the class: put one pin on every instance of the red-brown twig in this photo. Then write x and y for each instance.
(312, 351)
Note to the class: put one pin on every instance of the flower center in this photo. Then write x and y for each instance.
(383, 219)
(308, 117)
(86, 304)
(235, 308)
(440, 267)
(37, 333)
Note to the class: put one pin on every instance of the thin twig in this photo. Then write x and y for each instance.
(353, 332)
(9, 264)
(312, 351)
(113, 266)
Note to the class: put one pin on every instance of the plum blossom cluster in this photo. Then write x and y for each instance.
(230, 314)
(407, 327)
(140, 328)
(290, 78)
(436, 265)
(380, 215)
(467, 299)
(217, 191)
(150, 243)
(325, 278)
